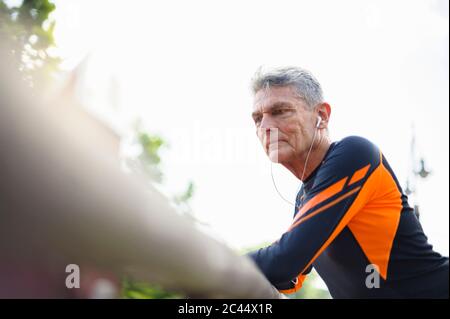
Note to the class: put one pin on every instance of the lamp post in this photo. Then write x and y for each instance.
(416, 171)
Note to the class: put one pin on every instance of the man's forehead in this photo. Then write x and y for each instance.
(275, 96)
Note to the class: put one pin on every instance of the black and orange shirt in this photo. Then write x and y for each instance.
(352, 222)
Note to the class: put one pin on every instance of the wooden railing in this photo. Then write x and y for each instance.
(64, 200)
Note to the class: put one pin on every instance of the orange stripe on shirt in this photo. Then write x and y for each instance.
(321, 209)
(376, 226)
(359, 174)
(322, 196)
(298, 285)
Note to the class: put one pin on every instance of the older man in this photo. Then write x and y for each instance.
(352, 221)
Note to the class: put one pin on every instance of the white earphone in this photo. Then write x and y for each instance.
(319, 121)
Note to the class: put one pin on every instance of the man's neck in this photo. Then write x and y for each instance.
(316, 156)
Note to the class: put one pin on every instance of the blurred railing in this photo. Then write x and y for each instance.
(64, 200)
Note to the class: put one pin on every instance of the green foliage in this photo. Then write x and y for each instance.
(138, 290)
(149, 159)
(27, 33)
(148, 163)
(182, 201)
(151, 145)
(186, 195)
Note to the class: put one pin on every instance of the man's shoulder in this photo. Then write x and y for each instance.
(357, 146)
(346, 157)
(354, 152)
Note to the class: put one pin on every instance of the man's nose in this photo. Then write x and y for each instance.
(267, 122)
(268, 130)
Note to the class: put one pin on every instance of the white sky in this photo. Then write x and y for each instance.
(185, 68)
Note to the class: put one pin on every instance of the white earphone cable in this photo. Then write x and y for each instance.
(303, 174)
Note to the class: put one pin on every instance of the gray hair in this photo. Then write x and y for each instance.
(306, 85)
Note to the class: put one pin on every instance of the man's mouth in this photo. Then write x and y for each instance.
(274, 144)
(272, 140)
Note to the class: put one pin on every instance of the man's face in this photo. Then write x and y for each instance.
(285, 125)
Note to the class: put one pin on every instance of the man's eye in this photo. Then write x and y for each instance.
(277, 112)
(257, 120)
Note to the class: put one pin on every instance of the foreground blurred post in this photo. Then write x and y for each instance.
(64, 200)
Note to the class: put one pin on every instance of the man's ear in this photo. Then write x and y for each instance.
(324, 111)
